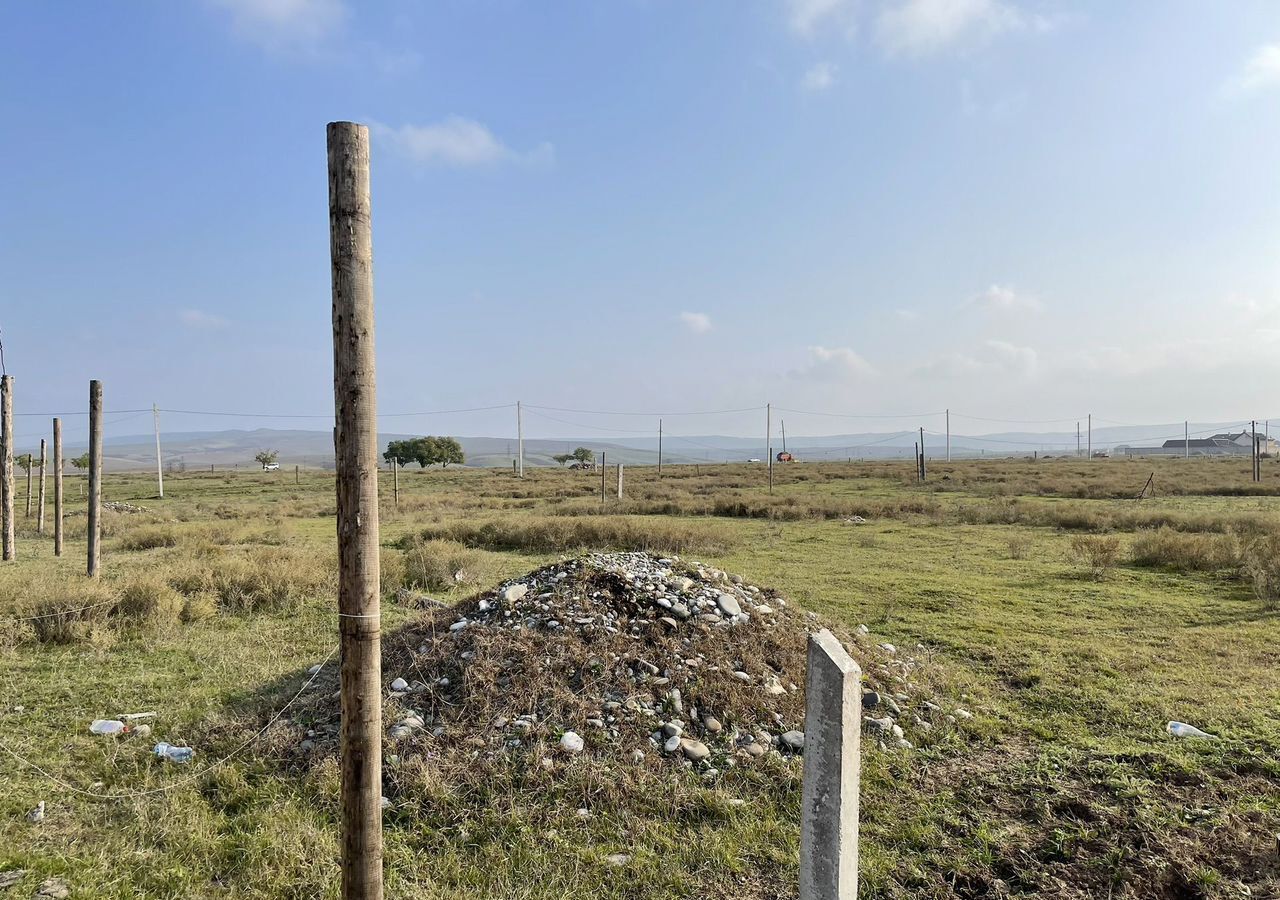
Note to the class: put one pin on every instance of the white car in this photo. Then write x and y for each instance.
(271, 467)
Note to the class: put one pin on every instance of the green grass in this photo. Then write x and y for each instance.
(1064, 784)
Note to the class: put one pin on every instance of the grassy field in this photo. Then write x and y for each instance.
(1074, 620)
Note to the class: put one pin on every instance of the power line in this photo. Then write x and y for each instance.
(605, 412)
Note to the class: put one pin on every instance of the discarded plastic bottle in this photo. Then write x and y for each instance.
(174, 754)
(1183, 730)
(107, 726)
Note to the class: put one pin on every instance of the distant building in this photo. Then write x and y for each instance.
(1226, 444)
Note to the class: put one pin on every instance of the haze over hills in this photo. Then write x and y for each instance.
(236, 447)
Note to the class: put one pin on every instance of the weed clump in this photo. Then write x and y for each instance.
(150, 604)
(1186, 551)
(441, 565)
(1098, 552)
(1262, 567)
(558, 534)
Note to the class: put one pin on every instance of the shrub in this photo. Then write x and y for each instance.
(1262, 567)
(149, 537)
(67, 612)
(1098, 552)
(273, 579)
(440, 565)
(1019, 545)
(557, 534)
(198, 607)
(151, 604)
(1186, 551)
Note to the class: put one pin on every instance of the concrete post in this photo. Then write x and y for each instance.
(829, 811)
(619, 481)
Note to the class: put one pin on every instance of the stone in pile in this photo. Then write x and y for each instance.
(622, 654)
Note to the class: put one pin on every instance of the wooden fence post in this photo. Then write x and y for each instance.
(829, 810)
(30, 465)
(6, 467)
(95, 478)
(619, 481)
(40, 504)
(356, 445)
(57, 487)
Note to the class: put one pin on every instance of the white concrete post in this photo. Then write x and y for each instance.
(829, 812)
(619, 481)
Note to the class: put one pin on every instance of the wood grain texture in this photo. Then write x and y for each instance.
(356, 449)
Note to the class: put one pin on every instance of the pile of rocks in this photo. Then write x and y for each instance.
(633, 655)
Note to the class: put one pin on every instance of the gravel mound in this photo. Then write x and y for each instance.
(628, 655)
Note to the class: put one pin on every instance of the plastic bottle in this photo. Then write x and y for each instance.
(174, 754)
(1183, 730)
(107, 726)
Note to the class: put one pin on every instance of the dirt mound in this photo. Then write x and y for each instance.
(624, 654)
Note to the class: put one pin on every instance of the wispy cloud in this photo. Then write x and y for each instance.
(808, 17)
(284, 24)
(1260, 72)
(907, 315)
(993, 357)
(696, 322)
(834, 364)
(194, 318)
(457, 141)
(1003, 299)
(921, 27)
(819, 77)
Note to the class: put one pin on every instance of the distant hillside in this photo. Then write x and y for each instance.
(236, 448)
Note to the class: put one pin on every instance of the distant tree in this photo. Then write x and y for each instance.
(81, 462)
(563, 458)
(25, 460)
(403, 452)
(442, 450)
(582, 454)
(267, 457)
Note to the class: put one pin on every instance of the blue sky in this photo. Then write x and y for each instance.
(1012, 209)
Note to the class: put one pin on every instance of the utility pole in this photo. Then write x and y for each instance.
(520, 437)
(1077, 440)
(948, 435)
(659, 447)
(783, 422)
(57, 487)
(356, 446)
(923, 468)
(40, 504)
(768, 441)
(1186, 439)
(603, 469)
(619, 481)
(1090, 435)
(1254, 460)
(155, 414)
(6, 466)
(395, 480)
(95, 478)
(30, 461)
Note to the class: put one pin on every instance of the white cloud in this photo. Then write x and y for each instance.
(834, 364)
(284, 24)
(456, 141)
(807, 16)
(921, 27)
(194, 318)
(819, 77)
(994, 357)
(1003, 299)
(1260, 72)
(696, 322)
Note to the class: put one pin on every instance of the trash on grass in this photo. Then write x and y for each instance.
(1183, 730)
(108, 726)
(174, 754)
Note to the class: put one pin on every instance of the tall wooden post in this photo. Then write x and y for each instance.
(57, 487)
(31, 460)
(9, 552)
(40, 504)
(395, 480)
(1090, 437)
(619, 481)
(155, 414)
(659, 446)
(297, 477)
(768, 441)
(95, 478)
(356, 451)
(603, 469)
(923, 470)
